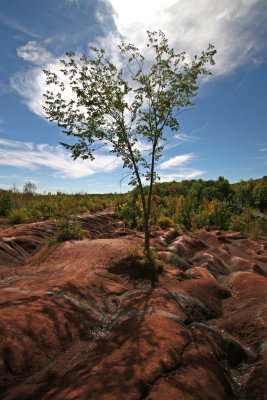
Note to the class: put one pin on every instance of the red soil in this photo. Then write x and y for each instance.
(77, 327)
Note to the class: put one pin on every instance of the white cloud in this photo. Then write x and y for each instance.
(15, 25)
(1, 122)
(183, 137)
(34, 53)
(182, 174)
(27, 155)
(17, 144)
(177, 161)
(180, 171)
(32, 85)
(233, 26)
(179, 139)
(4, 186)
(143, 147)
(21, 178)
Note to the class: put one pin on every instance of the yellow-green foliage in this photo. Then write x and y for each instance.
(187, 204)
(143, 267)
(20, 216)
(24, 208)
(69, 230)
(165, 222)
(255, 229)
(5, 202)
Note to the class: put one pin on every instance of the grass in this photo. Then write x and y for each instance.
(143, 266)
(44, 252)
(66, 230)
(69, 230)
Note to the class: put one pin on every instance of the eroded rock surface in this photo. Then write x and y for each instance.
(19, 241)
(77, 327)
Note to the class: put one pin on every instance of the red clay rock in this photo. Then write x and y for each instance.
(256, 385)
(187, 246)
(200, 272)
(78, 327)
(173, 259)
(99, 224)
(19, 241)
(245, 313)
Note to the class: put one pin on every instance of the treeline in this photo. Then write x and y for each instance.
(196, 204)
(29, 206)
(190, 204)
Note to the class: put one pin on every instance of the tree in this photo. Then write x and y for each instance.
(123, 106)
(29, 188)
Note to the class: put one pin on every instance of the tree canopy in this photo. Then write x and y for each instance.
(123, 106)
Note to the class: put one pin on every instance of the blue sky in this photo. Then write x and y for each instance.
(224, 135)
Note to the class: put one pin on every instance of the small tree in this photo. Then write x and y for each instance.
(122, 107)
(29, 188)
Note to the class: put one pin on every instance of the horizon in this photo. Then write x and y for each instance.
(223, 135)
(14, 189)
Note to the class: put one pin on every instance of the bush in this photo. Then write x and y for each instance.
(69, 230)
(165, 222)
(5, 203)
(131, 213)
(144, 267)
(19, 216)
(255, 230)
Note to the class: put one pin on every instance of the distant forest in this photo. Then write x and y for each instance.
(190, 204)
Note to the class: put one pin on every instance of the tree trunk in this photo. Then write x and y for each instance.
(147, 234)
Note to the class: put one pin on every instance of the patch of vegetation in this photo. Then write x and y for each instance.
(5, 202)
(165, 222)
(69, 230)
(20, 216)
(194, 204)
(143, 267)
(44, 252)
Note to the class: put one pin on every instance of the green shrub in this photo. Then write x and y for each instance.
(19, 216)
(69, 230)
(255, 230)
(143, 267)
(140, 223)
(165, 222)
(5, 203)
(131, 213)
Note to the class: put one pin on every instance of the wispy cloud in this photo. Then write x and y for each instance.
(1, 126)
(191, 26)
(179, 168)
(183, 137)
(182, 174)
(21, 178)
(179, 139)
(15, 25)
(35, 53)
(5, 88)
(177, 161)
(187, 24)
(30, 156)
(5, 143)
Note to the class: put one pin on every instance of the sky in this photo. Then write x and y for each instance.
(225, 134)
